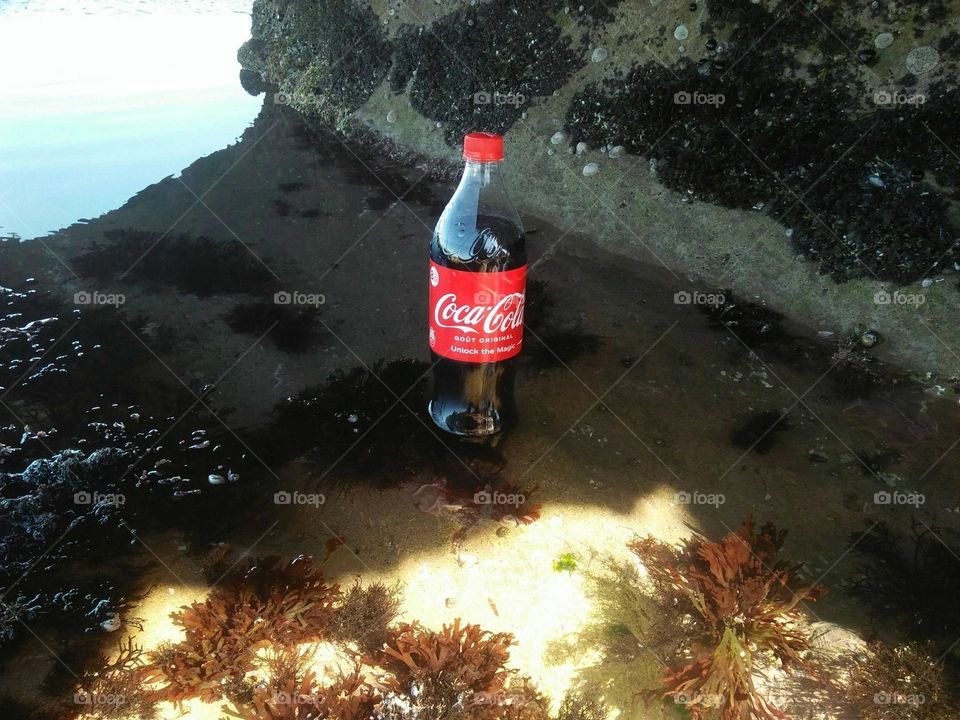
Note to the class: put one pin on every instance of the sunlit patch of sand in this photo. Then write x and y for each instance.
(501, 576)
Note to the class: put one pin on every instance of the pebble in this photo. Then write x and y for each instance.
(818, 456)
(927, 282)
(617, 151)
(590, 169)
(867, 56)
(112, 623)
(582, 148)
(869, 338)
(890, 479)
(681, 33)
(922, 60)
(215, 479)
(883, 41)
(558, 138)
(599, 54)
(551, 151)
(392, 116)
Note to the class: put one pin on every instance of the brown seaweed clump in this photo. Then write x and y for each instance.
(457, 672)
(741, 611)
(902, 682)
(264, 603)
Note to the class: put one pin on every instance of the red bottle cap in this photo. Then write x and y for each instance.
(483, 147)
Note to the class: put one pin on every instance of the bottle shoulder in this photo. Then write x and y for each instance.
(489, 244)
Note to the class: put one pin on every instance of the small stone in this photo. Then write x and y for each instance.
(558, 138)
(215, 479)
(681, 32)
(582, 148)
(867, 56)
(599, 54)
(551, 151)
(889, 479)
(883, 41)
(870, 338)
(818, 456)
(825, 333)
(758, 205)
(590, 169)
(392, 116)
(112, 623)
(876, 181)
(927, 282)
(922, 60)
(617, 151)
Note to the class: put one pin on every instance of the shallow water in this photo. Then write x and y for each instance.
(156, 331)
(100, 106)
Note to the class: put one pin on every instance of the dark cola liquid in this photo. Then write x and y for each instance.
(476, 399)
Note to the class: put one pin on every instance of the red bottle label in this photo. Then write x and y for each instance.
(476, 317)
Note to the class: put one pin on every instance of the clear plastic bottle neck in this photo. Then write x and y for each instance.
(482, 173)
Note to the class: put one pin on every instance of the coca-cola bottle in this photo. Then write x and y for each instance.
(478, 269)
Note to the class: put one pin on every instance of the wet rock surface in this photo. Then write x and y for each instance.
(859, 179)
(832, 122)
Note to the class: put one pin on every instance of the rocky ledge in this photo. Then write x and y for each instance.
(804, 154)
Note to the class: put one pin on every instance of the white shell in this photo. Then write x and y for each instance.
(112, 623)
